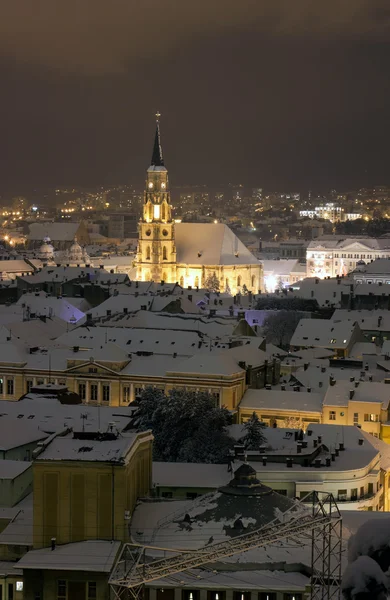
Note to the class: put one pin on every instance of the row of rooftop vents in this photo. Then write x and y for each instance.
(318, 456)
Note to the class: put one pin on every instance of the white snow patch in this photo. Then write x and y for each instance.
(363, 575)
(371, 536)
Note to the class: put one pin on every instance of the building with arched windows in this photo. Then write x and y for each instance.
(192, 254)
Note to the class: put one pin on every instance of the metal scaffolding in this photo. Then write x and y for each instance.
(136, 567)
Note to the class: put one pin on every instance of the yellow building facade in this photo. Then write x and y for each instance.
(81, 499)
(104, 383)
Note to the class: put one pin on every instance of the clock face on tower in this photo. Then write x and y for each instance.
(150, 185)
(163, 185)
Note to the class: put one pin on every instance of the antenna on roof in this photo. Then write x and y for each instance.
(84, 417)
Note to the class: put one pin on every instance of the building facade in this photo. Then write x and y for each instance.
(331, 256)
(193, 254)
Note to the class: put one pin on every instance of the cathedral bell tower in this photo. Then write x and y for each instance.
(156, 254)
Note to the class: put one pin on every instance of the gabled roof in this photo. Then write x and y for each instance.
(322, 333)
(210, 244)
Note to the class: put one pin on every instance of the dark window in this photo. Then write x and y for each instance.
(166, 494)
(106, 393)
(92, 369)
(292, 596)
(92, 591)
(354, 494)
(241, 596)
(10, 591)
(190, 595)
(191, 495)
(267, 595)
(61, 589)
(93, 392)
(29, 385)
(126, 393)
(1, 385)
(10, 387)
(370, 489)
(82, 391)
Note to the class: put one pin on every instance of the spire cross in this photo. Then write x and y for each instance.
(158, 115)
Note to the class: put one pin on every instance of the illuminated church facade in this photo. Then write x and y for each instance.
(190, 254)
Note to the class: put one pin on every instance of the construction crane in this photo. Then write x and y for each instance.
(134, 568)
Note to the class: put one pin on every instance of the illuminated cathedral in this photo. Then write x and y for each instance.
(190, 254)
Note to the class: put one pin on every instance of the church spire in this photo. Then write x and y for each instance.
(157, 157)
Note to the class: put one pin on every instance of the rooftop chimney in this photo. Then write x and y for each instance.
(351, 394)
(361, 441)
(53, 543)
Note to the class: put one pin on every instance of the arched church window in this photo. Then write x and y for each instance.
(196, 281)
(181, 281)
(239, 281)
(148, 253)
(253, 281)
(163, 212)
(165, 253)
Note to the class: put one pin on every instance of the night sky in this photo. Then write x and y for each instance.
(285, 94)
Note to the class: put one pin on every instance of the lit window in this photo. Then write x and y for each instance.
(19, 586)
(156, 211)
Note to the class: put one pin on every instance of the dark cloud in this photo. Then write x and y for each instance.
(280, 93)
(99, 36)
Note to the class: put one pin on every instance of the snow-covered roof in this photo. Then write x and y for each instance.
(366, 391)
(368, 320)
(10, 469)
(68, 448)
(323, 333)
(167, 474)
(209, 364)
(15, 434)
(380, 266)
(353, 243)
(282, 267)
(93, 555)
(210, 244)
(41, 303)
(19, 532)
(36, 416)
(15, 266)
(263, 399)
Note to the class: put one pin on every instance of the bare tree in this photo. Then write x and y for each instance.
(278, 328)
